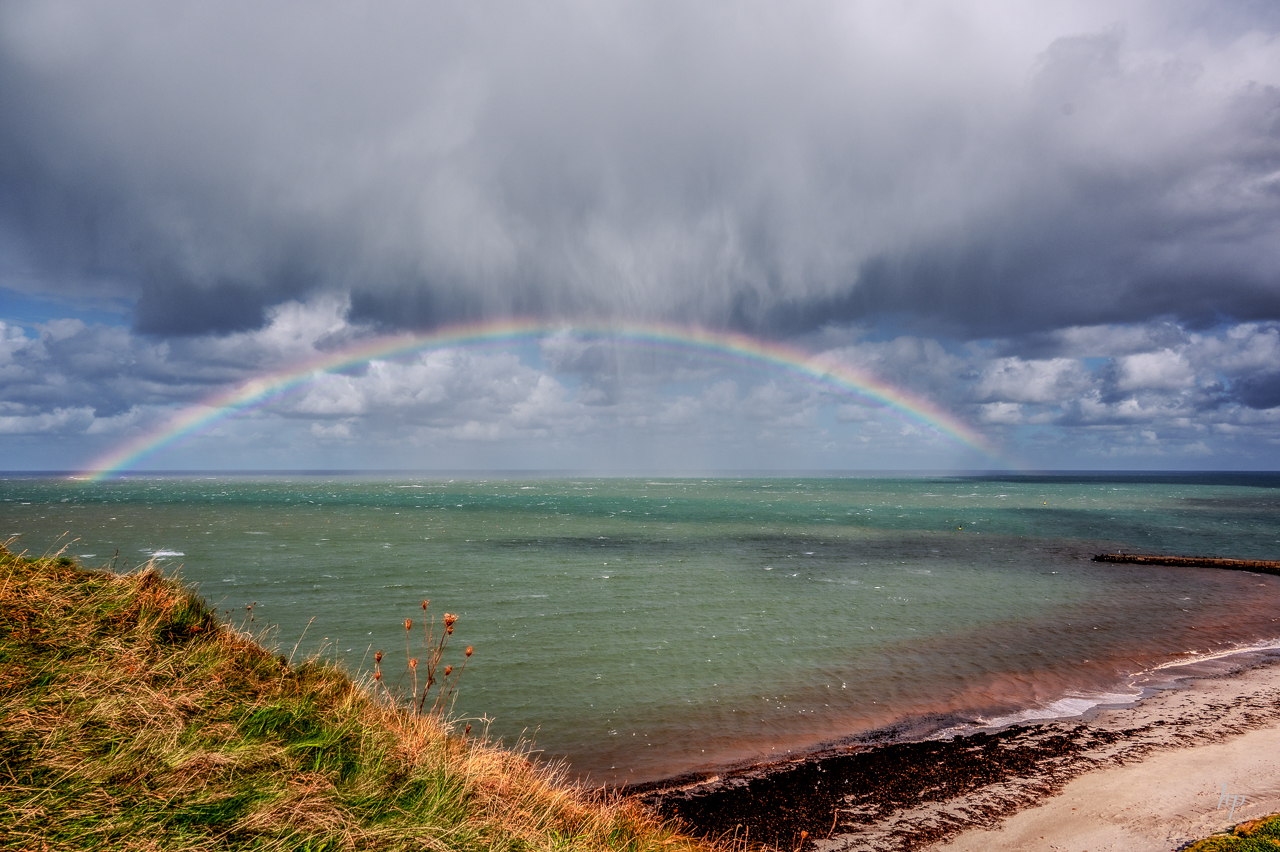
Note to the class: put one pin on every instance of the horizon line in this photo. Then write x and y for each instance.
(622, 473)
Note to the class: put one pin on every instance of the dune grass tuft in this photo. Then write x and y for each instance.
(1256, 835)
(132, 719)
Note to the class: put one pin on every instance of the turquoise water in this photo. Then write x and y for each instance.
(645, 627)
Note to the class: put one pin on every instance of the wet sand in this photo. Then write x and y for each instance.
(1142, 777)
(1155, 805)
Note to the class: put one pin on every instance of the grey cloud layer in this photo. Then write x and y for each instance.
(989, 173)
(1166, 394)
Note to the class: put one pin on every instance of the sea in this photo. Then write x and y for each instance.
(636, 629)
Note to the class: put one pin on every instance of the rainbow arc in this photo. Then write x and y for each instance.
(838, 379)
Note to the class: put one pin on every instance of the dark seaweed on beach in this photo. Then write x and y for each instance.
(886, 796)
(839, 794)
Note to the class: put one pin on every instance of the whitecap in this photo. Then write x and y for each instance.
(1190, 657)
(1064, 708)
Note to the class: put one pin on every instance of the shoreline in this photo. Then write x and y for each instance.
(925, 794)
(1157, 804)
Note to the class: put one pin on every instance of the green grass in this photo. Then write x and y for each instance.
(131, 719)
(1256, 835)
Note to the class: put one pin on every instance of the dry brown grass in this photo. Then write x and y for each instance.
(131, 719)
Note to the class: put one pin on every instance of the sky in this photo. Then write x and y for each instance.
(1056, 223)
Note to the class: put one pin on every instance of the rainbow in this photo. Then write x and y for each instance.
(828, 375)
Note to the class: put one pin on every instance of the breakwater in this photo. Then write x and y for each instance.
(1262, 565)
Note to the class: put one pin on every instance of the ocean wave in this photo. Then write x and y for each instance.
(1067, 707)
(1193, 657)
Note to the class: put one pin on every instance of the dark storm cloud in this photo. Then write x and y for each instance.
(102, 370)
(1261, 390)
(984, 172)
(1193, 238)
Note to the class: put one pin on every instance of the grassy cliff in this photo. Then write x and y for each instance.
(130, 718)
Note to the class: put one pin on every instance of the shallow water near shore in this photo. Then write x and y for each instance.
(643, 628)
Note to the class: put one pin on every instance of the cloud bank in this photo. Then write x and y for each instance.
(994, 170)
(1064, 223)
(1163, 397)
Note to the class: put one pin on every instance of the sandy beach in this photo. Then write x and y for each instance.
(1172, 795)
(1152, 805)
(1144, 777)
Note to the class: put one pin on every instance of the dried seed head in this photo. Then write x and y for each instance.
(413, 664)
(408, 622)
(424, 605)
(377, 675)
(803, 835)
(448, 670)
(469, 649)
(377, 658)
(467, 731)
(449, 619)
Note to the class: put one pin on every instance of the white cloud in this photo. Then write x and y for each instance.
(848, 413)
(12, 341)
(335, 396)
(335, 431)
(919, 363)
(1112, 340)
(1016, 380)
(1163, 370)
(1007, 413)
(683, 411)
(1245, 348)
(474, 430)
